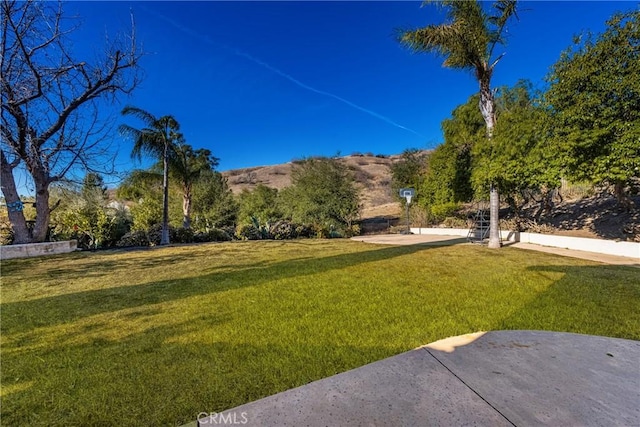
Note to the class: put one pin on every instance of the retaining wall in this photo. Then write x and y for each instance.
(601, 246)
(37, 249)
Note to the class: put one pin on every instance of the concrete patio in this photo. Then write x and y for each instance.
(496, 378)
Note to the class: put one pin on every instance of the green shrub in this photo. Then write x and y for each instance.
(455, 222)
(213, 235)
(354, 230)
(220, 235)
(155, 234)
(283, 230)
(303, 230)
(227, 233)
(6, 233)
(183, 235)
(443, 210)
(133, 238)
(248, 232)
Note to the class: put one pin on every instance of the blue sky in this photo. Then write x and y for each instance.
(261, 83)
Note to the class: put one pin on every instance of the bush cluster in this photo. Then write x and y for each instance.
(133, 238)
(213, 235)
(151, 237)
(283, 230)
(279, 230)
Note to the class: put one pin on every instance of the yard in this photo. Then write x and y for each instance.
(156, 336)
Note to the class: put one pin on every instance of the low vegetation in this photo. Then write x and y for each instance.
(156, 336)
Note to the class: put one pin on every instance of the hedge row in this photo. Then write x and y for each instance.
(280, 230)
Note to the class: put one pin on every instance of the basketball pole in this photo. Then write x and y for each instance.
(408, 198)
(407, 193)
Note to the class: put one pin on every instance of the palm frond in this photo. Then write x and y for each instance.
(439, 39)
(144, 116)
(128, 131)
(151, 175)
(506, 9)
(148, 142)
(467, 39)
(168, 123)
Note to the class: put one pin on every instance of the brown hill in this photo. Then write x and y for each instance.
(372, 173)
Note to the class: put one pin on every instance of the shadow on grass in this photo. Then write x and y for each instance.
(86, 268)
(25, 315)
(162, 379)
(595, 300)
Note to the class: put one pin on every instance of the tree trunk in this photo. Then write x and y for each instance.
(14, 205)
(487, 108)
(623, 201)
(164, 239)
(494, 220)
(43, 213)
(186, 210)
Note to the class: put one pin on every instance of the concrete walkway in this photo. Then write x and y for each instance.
(415, 239)
(500, 378)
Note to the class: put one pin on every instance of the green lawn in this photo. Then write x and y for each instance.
(154, 337)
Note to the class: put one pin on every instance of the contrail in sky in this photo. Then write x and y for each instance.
(278, 72)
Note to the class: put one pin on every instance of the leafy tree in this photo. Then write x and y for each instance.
(158, 139)
(261, 203)
(594, 97)
(144, 187)
(520, 158)
(84, 213)
(213, 203)
(51, 118)
(447, 180)
(187, 166)
(467, 42)
(408, 172)
(323, 193)
(94, 190)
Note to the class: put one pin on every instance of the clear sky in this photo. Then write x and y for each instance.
(261, 83)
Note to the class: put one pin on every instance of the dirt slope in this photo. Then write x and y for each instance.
(372, 174)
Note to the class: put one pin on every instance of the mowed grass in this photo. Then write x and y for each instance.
(154, 337)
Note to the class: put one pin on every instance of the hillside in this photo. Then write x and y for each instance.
(372, 173)
(595, 216)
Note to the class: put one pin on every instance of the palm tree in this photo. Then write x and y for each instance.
(157, 139)
(467, 41)
(187, 165)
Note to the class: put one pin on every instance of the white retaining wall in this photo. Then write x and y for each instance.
(601, 246)
(37, 249)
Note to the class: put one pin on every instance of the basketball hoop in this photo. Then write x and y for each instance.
(408, 194)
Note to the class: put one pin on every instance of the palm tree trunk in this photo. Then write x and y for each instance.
(494, 218)
(186, 209)
(487, 108)
(164, 239)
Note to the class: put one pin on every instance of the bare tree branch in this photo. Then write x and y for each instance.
(52, 102)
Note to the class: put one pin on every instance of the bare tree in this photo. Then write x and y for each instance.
(50, 103)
